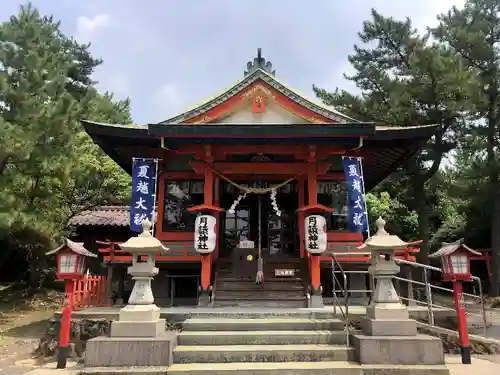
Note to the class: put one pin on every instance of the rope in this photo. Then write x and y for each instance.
(253, 190)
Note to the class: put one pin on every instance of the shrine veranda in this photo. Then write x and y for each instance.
(259, 158)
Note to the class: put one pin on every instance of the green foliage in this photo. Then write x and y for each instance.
(405, 80)
(49, 167)
(400, 220)
(473, 33)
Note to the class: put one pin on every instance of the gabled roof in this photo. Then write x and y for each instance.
(259, 70)
(450, 247)
(77, 247)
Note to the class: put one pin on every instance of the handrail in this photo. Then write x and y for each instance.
(345, 313)
(428, 286)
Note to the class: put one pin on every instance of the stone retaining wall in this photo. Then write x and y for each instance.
(478, 344)
(81, 331)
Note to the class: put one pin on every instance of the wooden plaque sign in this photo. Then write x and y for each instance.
(284, 272)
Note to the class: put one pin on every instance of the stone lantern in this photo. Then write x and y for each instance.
(141, 317)
(385, 301)
(389, 336)
(138, 338)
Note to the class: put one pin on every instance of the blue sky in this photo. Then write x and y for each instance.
(167, 55)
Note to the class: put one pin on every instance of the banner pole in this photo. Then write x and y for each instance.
(364, 195)
(153, 214)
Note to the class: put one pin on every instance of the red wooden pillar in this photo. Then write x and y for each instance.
(312, 200)
(65, 326)
(209, 208)
(206, 260)
(463, 332)
(215, 254)
(301, 216)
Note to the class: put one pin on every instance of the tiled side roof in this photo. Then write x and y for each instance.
(102, 216)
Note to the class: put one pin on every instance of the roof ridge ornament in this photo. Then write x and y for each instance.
(259, 63)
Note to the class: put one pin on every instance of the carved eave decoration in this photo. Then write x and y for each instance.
(257, 82)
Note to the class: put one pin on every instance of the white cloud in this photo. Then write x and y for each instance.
(428, 16)
(423, 14)
(117, 84)
(168, 101)
(87, 27)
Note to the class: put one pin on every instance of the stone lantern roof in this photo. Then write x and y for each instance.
(382, 239)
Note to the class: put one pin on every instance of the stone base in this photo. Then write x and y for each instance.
(381, 327)
(204, 299)
(387, 311)
(128, 329)
(398, 350)
(316, 301)
(139, 313)
(121, 352)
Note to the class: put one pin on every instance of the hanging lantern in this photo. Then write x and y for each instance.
(315, 229)
(204, 234)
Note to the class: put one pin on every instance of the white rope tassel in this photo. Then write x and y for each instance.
(274, 203)
(236, 202)
(259, 278)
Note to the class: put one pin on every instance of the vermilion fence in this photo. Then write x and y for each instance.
(90, 291)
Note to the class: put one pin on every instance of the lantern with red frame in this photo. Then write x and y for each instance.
(71, 260)
(455, 260)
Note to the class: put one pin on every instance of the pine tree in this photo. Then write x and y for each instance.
(405, 80)
(48, 165)
(474, 34)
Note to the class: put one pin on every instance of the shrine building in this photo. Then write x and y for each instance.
(259, 158)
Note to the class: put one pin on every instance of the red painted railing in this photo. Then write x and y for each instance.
(90, 291)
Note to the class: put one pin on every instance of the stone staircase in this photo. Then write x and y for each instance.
(234, 288)
(265, 344)
(302, 342)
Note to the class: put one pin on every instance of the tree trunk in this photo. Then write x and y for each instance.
(422, 210)
(495, 201)
(494, 188)
(495, 240)
(36, 276)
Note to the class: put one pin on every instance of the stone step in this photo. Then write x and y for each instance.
(256, 313)
(270, 368)
(274, 324)
(240, 294)
(260, 337)
(262, 353)
(153, 370)
(256, 296)
(234, 286)
(267, 260)
(235, 278)
(256, 303)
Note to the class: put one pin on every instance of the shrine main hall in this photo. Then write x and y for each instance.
(259, 158)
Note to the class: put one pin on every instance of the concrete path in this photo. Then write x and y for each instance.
(479, 366)
(30, 367)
